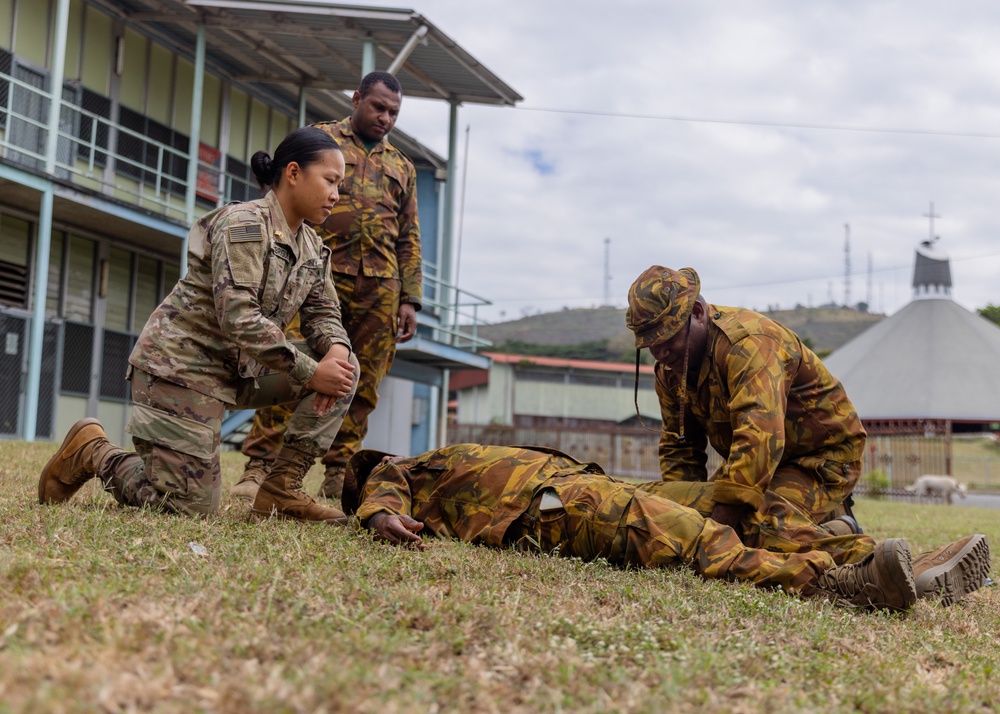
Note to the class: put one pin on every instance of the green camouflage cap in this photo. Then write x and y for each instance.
(359, 468)
(660, 302)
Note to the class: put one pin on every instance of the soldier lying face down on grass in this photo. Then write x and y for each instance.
(542, 500)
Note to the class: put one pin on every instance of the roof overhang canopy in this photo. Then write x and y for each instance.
(301, 43)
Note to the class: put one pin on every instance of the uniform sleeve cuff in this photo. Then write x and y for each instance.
(304, 369)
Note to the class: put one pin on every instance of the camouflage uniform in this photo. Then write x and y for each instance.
(766, 403)
(217, 342)
(374, 236)
(497, 496)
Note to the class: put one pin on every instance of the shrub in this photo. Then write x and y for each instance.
(877, 482)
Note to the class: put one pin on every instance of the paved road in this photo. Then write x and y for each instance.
(979, 500)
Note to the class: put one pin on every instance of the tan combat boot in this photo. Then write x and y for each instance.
(953, 571)
(333, 482)
(883, 580)
(280, 494)
(78, 460)
(254, 473)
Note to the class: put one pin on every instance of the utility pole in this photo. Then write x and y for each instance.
(607, 271)
(871, 307)
(847, 265)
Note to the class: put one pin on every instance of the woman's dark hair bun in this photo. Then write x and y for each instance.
(263, 168)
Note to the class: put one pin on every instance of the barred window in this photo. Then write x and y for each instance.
(145, 153)
(114, 363)
(93, 131)
(595, 380)
(78, 345)
(6, 65)
(171, 274)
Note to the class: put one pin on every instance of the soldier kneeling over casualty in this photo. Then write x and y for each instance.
(543, 500)
(217, 342)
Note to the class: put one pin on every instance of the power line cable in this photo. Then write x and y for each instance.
(754, 122)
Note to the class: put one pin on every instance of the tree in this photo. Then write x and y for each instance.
(991, 312)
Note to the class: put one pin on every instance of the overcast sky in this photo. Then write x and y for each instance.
(740, 189)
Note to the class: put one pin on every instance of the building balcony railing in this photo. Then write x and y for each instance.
(452, 314)
(135, 160)
(143, 163)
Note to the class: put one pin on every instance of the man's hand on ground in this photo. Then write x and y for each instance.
(397, 529)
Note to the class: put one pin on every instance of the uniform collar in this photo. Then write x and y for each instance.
(279, 227)
(347, 130)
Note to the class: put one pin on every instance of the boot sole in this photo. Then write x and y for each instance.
(70, 435)
(261, 516)
(964, 573)
(895, 554)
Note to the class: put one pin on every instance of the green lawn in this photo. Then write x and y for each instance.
(110, 610)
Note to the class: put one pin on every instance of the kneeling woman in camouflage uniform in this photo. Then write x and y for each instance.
(217, 342)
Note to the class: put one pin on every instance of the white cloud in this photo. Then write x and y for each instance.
(758, 210)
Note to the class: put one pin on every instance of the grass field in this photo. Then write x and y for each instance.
(111, 610)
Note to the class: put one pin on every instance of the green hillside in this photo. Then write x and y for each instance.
(600, 333)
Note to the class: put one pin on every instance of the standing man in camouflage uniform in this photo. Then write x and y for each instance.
(541, 499)
(747, 385)
(374, 236)
(217, 341)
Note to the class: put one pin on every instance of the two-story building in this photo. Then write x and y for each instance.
(121, 121)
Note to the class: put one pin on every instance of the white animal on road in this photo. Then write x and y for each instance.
(933, 485)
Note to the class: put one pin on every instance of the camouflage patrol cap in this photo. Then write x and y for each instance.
(359, 468)
(660, 302)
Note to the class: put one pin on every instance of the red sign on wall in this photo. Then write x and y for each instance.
(207, 186)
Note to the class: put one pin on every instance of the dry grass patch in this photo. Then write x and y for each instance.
(110, 610)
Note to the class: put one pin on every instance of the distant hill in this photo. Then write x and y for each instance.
(600, 333)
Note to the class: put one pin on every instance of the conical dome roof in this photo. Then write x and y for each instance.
(931, 360)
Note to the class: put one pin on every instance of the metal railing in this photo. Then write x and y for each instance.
(453, 314)
(107, 156)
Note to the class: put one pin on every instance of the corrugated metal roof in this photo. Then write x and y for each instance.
(564, 363)
(293, 43)
(931, 360)
(272, 49)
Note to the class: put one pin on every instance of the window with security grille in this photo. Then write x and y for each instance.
(93, 132)
(47, 384)
(78, 346)
(15, 240)
(29, 111)
(241, 185)
(6, 65)
(142, 153)
(12, 333)
(114, 363)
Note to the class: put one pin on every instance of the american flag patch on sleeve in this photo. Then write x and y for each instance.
(246, 233)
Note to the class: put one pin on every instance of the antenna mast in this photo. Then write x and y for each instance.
(847, 265)
(607, 271)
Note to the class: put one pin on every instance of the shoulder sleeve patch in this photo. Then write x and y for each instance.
(246, 232)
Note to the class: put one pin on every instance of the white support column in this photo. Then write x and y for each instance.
(44, 237)
(367, 57)
(447, 247)
(192, 173)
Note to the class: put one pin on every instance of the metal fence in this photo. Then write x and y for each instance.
(633, 453)
(630, 453)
